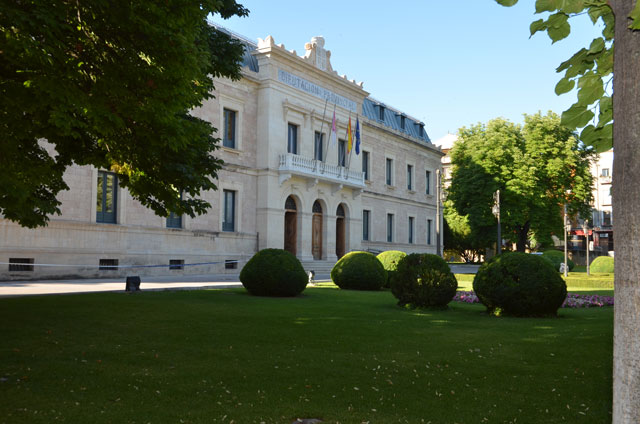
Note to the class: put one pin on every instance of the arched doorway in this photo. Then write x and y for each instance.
(290, 225)
(340, 232)
(316, 231)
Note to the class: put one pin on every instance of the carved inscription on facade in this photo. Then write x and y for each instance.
(316, 90)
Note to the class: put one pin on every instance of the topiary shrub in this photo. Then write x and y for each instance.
(273, 272)
(521, 285)
(389, 260)
(602, 264)
(423, 280)
(359, 271)
(556, 257)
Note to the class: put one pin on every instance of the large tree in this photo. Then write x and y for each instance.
(538, 168)
(591, 67)
(109, 84)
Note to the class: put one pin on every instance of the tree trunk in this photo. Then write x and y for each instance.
(523, 236)
(626, 212)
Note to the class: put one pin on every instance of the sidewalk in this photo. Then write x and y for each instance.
(171, 282)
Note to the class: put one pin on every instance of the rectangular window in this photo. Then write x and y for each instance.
(390, 227)
(366, 215)
(173, 220)
(108, 265)
(342, 153)
(20, 264)
(605, 172)
(409, 177)
(402, 121)
(429, 223)
(230, 264)
(381, 112)
(389, 171)
(411, 220)
(427, 176)
(229, 138)
(365, 165)
(107, 197)
(176, 264)
(292, 139)
(318, 144)
(229, 213)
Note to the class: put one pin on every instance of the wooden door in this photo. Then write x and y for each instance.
(340, 242)
(290, 232)
(316, 236)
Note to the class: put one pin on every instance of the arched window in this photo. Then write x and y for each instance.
(340, 211)
(290, 204)
(317, 207)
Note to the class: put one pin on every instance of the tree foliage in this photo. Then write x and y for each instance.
(110, 84)
(458, 237)
(533, 166)
(590, 69)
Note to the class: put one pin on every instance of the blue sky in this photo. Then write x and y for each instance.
(448, 63)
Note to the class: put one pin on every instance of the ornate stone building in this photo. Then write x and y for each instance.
(284, 184)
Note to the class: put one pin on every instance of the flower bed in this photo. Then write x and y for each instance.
(573, 300)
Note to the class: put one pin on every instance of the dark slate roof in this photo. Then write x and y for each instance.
(248, 59)
(393, 119)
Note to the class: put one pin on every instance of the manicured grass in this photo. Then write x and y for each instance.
(576, 282)
(343, 356)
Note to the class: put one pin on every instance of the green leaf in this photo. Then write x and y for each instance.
(558, 26)
(564, 86)
(539, 25)
(595, 12)
(597, 45)
(572, 6)
(545, 6)
(606, 111)
(601, 139)
(591, 88)
(635, 16)
(576, 116)
(507, 3)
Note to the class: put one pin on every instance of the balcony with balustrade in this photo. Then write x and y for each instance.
(316, 171)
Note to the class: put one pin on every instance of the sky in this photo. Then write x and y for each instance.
(449, 63)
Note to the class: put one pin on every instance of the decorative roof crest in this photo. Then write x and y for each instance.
(317, 55)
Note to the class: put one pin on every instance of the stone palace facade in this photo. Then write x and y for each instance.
(284, 184)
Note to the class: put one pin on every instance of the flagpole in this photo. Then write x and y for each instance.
(321, 128)
(328, 141)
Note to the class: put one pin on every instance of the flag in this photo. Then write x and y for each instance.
(349, 138)
(334, 132)
(357, 136)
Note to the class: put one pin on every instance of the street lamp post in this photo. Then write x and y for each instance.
(438, 249)
(496, 212)
(586, 237)
(565, 239)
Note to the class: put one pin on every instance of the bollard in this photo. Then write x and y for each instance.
(132, 284)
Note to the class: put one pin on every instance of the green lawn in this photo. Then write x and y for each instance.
(222, 356)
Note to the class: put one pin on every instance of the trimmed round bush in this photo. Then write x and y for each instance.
(389, 260)
(359, 271)
(602, 264)
(519, 284)
(273, 272)
(556, 257)
(423, 280)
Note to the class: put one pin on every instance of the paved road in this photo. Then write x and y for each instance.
(172, 282)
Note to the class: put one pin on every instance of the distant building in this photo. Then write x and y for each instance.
(284, 184)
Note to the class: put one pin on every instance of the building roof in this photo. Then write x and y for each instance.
(392, 118)
(446, 142)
